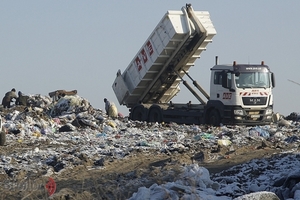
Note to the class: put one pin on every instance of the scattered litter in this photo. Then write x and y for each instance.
(71, 123)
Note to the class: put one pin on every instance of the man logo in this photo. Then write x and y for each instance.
(254, 101)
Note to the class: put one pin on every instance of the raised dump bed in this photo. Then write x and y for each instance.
(153, 75)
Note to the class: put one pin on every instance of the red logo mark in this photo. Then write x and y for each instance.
(50, 186)
(138, 63)
(144, 55)
(150, 48)
(227, 95)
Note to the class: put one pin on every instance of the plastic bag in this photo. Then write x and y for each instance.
(257, 131)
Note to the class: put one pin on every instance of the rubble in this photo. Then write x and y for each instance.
(50, 137)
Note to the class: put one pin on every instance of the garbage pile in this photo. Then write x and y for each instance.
(55, 136)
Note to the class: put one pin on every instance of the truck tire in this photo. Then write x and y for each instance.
(2, 138)
(137, 114)
(155, 115)
(214, 118)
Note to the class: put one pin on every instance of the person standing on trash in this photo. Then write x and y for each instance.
(22, 99)
(8, 98)
(107, 105)
(111, 109)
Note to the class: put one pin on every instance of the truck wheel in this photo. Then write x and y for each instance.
(137, 114)
(2, 138)
(155, 115)
(214, 118)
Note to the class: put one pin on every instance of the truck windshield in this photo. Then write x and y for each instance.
(253, 80)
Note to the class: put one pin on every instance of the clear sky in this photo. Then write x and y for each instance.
(72, 44)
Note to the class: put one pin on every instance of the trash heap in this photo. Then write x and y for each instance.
(49, 137)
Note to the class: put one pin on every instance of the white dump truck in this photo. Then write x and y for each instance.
(240, 94)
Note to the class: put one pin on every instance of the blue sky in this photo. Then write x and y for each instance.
(51, 45)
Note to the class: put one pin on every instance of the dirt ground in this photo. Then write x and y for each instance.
(120, 178)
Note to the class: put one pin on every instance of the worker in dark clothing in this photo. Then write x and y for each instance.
(8, 98)
(107, 105)
(22, 100)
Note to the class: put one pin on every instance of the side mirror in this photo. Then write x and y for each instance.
(273, 79)
(237, 74)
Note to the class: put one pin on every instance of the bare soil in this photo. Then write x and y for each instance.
(120, 178)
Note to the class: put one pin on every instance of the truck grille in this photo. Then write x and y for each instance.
(255, 100)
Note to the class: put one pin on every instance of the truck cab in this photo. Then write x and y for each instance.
(241, 94)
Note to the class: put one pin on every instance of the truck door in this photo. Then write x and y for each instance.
(220, 89)
(227, 90)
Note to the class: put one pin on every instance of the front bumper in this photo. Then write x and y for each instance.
(249, 117)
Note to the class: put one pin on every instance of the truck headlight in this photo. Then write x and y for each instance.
(269, 111)
(238, 112)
